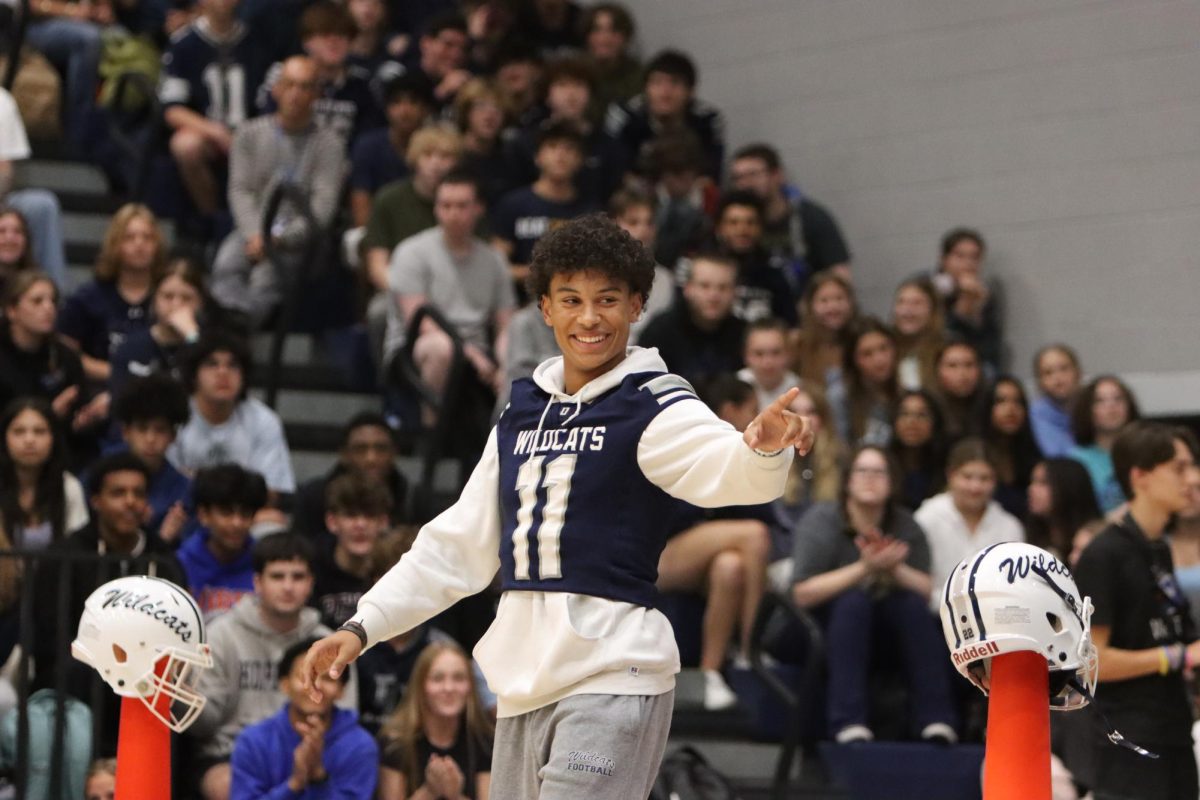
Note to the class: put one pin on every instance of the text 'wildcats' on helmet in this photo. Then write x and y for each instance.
(1012, 597)
(145, 636)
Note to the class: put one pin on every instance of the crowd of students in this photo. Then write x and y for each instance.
(435, 143)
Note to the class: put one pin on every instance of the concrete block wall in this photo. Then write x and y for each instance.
(1068, 131)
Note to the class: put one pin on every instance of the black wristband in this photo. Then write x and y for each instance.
(357, 629)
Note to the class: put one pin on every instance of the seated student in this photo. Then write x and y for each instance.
(225, 424)
(33, 362)
(1004, 427)
(451, 269)
(149, 412)
(210, 71)
(766, 356)
(309, 749)
(357, 514)
(117, 495)
(918, 446)
(345, 103)
(827, 312)
(440, 56)
(803, 235)
(960, 388)
(101, 781)
(246, 645)
(634, 212)
(813, 478)
(385, 670)
(673, 166)
(723, 553)
(699, 336)
(218, 559)
(920, 332)
(762, 289)
(438, 741)
(525, 215)
(863, 565)
(1145, 637)
(570, 85)
(1185, 545)
(40, 501)
(554, 26)
(972, 306)
(668, 102)
(379, 156)
(99, 315)
(268, 150)
(1103, 408)
(869, 387)
(179, 300)
(1056, 369)
(964, 519)
(404, 208)
(608, 31)
(481, 112)
(518, 68)
(368, 449)
(1061, 502)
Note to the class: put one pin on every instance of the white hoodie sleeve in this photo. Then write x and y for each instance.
(455, 555)
(691, 454)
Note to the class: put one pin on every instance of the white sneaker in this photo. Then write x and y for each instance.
(717, 694)
(854, 733)
(742, 661)
(939, 732)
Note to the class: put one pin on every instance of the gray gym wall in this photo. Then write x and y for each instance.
(1067, 131)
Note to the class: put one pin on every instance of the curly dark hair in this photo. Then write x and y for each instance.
(591, 243)
(154, 397)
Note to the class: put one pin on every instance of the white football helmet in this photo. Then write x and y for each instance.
(144, 635)
(1014, 596)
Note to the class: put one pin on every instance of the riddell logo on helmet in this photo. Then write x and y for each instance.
(975, 652)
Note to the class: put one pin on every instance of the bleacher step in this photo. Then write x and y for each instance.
(60, 175)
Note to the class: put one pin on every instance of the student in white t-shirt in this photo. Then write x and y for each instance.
(964, 519)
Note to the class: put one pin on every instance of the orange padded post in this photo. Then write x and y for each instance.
(1016, 765)
(143, 752)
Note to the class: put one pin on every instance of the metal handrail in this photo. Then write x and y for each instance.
(69, 561)
(433, 444)
(772, 602)
(136, 151)
(292, 281)
(16, 42)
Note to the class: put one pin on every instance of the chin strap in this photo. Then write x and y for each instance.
(1112, 733)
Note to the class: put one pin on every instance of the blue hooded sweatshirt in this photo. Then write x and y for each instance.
(262, 761)
(216, 586)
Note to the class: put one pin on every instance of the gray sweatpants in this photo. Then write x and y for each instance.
(593, 746)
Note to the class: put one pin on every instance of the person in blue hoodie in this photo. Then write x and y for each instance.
(149, 411)
(310, 750)
(219, 560)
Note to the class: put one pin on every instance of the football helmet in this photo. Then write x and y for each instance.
(1014, 596)
(145, 636)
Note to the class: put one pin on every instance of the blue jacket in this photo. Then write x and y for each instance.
(1051, 427)
(216, 586)
(262, 760)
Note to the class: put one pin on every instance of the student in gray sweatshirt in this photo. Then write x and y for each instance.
(284, 147)
(247, 642)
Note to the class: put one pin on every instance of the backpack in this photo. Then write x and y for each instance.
(686, 775)
(77, 745)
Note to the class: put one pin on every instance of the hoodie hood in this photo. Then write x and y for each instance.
(550, 378)
(549, 374)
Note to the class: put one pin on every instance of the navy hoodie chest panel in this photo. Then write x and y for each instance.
(577, 513)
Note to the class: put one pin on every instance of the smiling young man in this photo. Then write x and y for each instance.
(1144, 634)
(568, 503)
